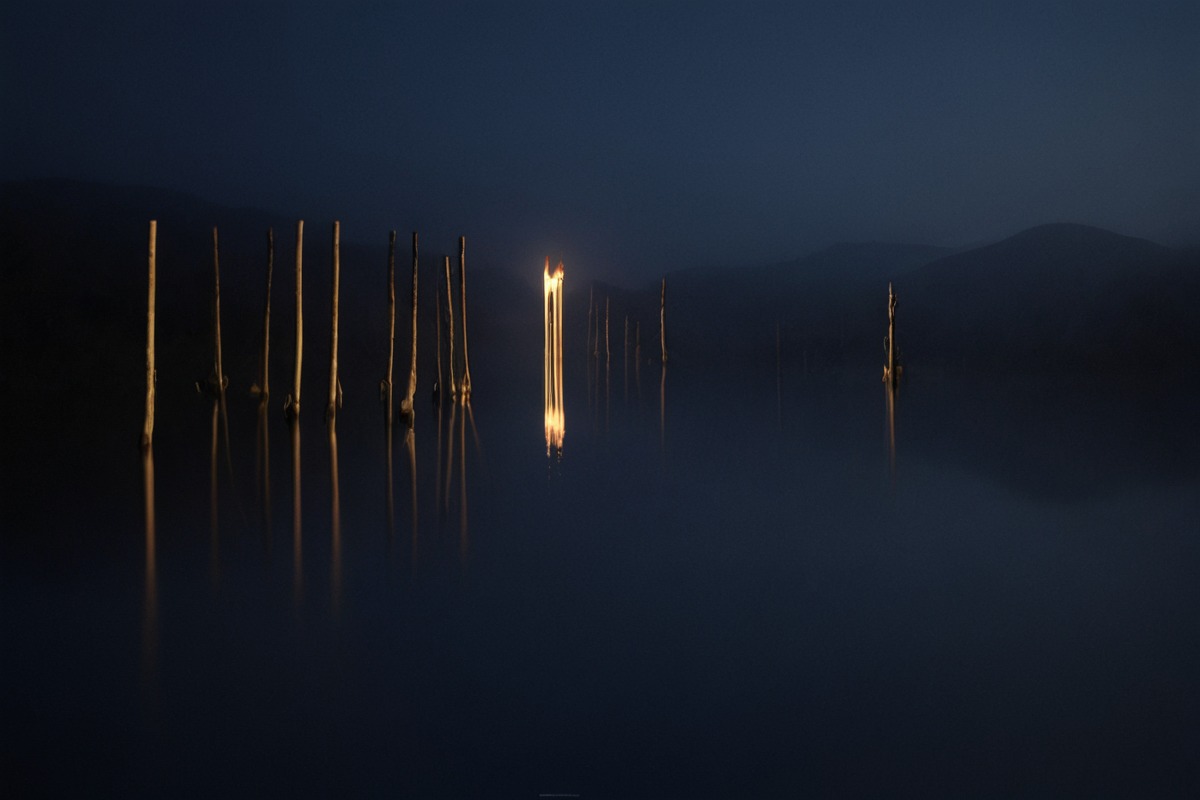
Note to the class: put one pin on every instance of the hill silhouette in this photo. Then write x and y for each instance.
(1056, 297)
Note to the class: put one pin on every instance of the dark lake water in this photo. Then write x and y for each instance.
(762, 586)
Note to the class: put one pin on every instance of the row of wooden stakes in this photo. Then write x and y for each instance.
(459, 386)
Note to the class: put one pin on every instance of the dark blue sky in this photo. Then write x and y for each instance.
(630, 138)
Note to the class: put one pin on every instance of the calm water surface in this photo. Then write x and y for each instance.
(756, 587)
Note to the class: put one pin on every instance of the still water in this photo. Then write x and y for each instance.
(779, 585)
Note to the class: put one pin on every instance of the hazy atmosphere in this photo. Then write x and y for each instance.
(631, 138)
(867, 460)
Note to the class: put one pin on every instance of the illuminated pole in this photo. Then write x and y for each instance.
(462, 285)
(334, 386)
(148, 426)
(450, 326)
(385, 386)
(406, 406)
(291, 405)
(889, 372)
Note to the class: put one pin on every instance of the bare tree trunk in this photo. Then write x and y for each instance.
(662, 320)
(462, 308)
(450, 326)
(291, 406)
(385, 386)
(151, 375)
(335, 388)
(407, 406)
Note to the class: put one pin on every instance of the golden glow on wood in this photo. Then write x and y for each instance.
(552, 381)
(148, 427)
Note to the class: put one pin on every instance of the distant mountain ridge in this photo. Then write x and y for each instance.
(1057, 296)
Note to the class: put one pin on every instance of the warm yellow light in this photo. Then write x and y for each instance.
(552, 380)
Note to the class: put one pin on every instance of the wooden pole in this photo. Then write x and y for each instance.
(607, 350)
(385, 386)
(889, 371)
(151, 375)
(465, 384)
(335, 388)
(264, 384)
(221, 380)
(217, 362)
(662, 320)
(591, 305)
(450, 326)
(626, 358)
(407, 406)
(291, 406)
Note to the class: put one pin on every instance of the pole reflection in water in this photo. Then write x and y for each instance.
(463, 543)
(410, 444)
(552, 348)
(263, 471)
(390, 498)
(450, 456)
(437, 472)
(890, 392)
(297, 539)
(335, 560)
(662, 410)
(214, 527)
(150, 600)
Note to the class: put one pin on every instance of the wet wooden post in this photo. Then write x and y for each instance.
(148, 426)
(219, 381)
(626, 358)
(291, 405)
(662, 320)
(465, 383)
(385, 386)
(407, 406)
(450, 326)
(890, 371)
(607, 349)
(335, 386)
(264, 381)
(219, 372)
(591, 305)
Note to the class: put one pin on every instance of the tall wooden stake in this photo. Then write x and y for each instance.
(385, 386)
(662, 320)
(591, 305)
(148, 426)
(335, 387)
(264, 380)
(607, 350)
(889, 371)
(221, 381)
(450, 326)
(407, 406)
(291, 406)
(465, 384)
